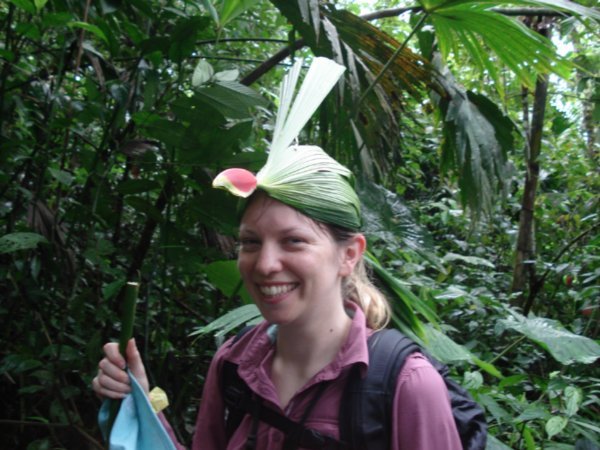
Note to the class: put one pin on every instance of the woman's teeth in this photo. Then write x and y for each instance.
(276, 290)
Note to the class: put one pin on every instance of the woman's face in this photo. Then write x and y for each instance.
(290, 265)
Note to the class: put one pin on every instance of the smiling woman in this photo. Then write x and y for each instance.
(301, 260)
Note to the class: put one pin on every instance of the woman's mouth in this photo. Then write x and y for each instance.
(276, 290)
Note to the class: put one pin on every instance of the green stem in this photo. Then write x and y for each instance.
(507, 349)
(387, 65)
(127, 320)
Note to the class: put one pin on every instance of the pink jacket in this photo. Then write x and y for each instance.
(422, 415)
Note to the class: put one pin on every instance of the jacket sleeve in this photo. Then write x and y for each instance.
(423, 417)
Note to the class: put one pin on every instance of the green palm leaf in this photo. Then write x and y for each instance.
(479, 31)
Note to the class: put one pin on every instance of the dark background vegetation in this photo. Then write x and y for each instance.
(476, 155)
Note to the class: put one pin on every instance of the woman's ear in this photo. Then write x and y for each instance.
(352, 254)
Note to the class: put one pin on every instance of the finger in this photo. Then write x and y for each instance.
(135, 364)
(109, 370)
(111, 350)
(106, 387)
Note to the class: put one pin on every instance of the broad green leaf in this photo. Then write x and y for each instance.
(529, 440)
(555, 425)
(227, 75)
(39, 4)
(225, 276)
(523, 51)
(476, 137)
(386, 217)
(25, 5)
(493, 443)
(16, 364)
(564, 346)
(211, 10)
(564, 5)
(232, 8)
(20, 241)
(534, 411)
(111, 289)
(202, 73)
(573, 399)
(473, 260)
(182, 40)
(232, 99)
(243, 315)
(91, 28)
(472, 380)
(404, 304)
(61, 176)
(444, 348)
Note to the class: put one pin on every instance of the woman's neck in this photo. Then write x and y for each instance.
(315, 342)
(304, 350)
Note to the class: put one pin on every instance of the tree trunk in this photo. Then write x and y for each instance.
(524, 275)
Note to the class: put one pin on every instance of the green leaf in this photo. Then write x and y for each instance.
(20, 241)
(404, 302)
(474, 145)
(564, 346)
(25, 5)
(91, 28)
(202, 73)
(522, 50)
(225, 276)
(534, 411)
(232, 8)
(211, 10)
(39, 4)
(243, 315)
(184, 35)
(493, 443)
(573, 399)
(473, 260)
(555, 425)
(386, 217)
(111, 289)
(444, 348)
(61, 176)
(232, 99)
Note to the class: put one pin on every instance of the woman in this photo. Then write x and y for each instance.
(300, 258)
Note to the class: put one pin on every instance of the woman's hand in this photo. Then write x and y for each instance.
(112, 380)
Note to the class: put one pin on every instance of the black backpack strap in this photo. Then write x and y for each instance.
(240, 400)
(233, 388)
(365, 410)
(365, 414)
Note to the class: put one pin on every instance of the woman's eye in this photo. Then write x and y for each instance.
(295, 240)
(247, 244)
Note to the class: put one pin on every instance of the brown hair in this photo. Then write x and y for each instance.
(359, 289)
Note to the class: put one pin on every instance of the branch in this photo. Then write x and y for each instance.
(381, 14)
(272, 62)
(254, 39)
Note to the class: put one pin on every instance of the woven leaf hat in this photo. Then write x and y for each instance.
(301, 176)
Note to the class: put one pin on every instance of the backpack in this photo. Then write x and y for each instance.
(366, 406)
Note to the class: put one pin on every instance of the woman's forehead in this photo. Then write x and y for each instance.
(267, 213)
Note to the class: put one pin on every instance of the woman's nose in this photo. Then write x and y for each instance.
(268, 260)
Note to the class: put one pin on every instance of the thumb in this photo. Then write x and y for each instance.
(136, 365)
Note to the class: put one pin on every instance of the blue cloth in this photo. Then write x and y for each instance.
(136, 427)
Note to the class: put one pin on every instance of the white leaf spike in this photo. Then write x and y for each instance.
(322, 76)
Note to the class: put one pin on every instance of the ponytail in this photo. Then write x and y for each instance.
(359, 289)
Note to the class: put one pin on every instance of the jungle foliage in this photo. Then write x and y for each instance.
(115, 115)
